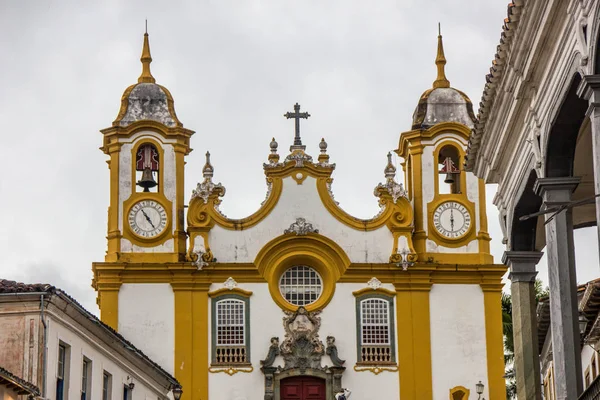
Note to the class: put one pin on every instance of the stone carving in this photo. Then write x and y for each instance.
(273, 353)
(302, 347)
(393, 188)
(208, 188)
(332, 352)
(374, 283)
(230, 283)
(300, 157)
(301, 227)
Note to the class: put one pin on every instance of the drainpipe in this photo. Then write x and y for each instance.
(45, 350)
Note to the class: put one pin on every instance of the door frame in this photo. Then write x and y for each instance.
(327, 375)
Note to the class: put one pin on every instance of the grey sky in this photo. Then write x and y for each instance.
(234, 68)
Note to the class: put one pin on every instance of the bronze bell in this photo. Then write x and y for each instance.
(147, 180)
(449, 178)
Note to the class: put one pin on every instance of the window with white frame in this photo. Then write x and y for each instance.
(375, 330)
(301, 285)
(230, 330)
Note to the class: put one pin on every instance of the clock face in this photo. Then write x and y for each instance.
(147, 218)
(451, 219)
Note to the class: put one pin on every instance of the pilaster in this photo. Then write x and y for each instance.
(414, 337)
(563, 286)
(525, 336)
(589, 89)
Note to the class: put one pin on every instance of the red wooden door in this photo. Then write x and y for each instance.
(302, 388)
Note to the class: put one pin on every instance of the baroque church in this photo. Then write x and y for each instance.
(301, 299)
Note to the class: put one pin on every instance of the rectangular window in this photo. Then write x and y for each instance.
(62, 371)
(106, 386)
(230, 330)
(86, 372)
(375, 330)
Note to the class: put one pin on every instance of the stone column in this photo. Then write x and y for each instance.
(589, 89)
(563, 286)
(527, 360)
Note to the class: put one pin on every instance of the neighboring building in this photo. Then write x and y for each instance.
(300, 298)
(14, 388)
(538, 138)
(588, 297)
(52, 341)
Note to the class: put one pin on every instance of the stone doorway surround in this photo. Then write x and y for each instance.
(302, 351)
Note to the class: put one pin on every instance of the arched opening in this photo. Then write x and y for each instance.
(523, 234)
(562, 139)
(147, 165)
(448, 172)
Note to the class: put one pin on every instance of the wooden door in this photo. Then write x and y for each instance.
(302, 388)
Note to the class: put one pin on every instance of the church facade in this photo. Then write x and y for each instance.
(301, 299)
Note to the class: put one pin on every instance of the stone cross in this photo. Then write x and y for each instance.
(297, 115)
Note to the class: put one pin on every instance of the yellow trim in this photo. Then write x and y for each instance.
(414, 337)
(376, 370)
(368, 290)
(463, 389)
(224, 291)
(203, 216)
(314, 250)
(492, 294)
(230, 370)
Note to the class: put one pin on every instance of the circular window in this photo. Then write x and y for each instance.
(300, 285)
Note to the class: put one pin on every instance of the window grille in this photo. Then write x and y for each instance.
(230, 331)
(375, 331)
(301, 285)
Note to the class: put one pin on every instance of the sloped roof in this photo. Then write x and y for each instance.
(7, 286)
(21, 386)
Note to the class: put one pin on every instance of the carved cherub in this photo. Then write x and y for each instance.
(332, 352)
(273, 353)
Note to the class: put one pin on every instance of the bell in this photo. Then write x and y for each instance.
(449, 178)
(147, 180)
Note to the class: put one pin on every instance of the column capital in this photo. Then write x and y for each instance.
(556, 190)
(590, 85)
(510, 258)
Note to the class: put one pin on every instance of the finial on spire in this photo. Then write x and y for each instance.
(208, 170)
(146, 59)
(440, 61)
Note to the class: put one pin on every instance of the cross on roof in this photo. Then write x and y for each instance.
(297, 115)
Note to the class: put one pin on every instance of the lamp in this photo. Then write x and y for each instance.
(479, 389)
(177, 392)
(583, 321)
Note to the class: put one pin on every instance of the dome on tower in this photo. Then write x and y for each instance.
(146, 100)
(442, 103)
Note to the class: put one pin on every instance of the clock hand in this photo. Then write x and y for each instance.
(147, 218)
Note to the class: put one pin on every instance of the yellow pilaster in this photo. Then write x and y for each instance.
(113, 234)
(109, 306)
(191, 338)
(492, 293)
(414, 338)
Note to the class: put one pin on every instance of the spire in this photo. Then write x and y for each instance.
(146, 59)
(440, 62)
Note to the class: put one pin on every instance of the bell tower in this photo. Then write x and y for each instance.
(147, 145)
(449, 203)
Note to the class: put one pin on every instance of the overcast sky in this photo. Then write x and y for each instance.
(234, 68)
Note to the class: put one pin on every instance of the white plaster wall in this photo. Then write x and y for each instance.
(458, 341)
(266, 320)
(146, 318)
(81, 345)
(586, 362)
(300, 201)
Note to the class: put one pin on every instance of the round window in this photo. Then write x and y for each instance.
(301, 285)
